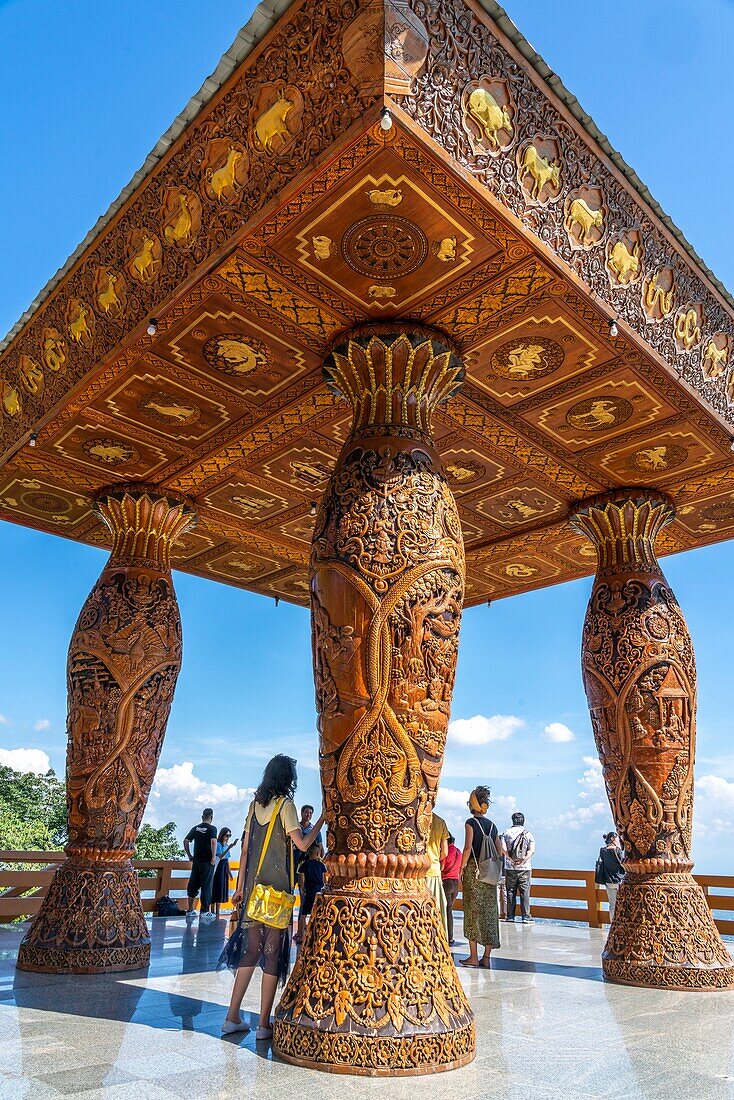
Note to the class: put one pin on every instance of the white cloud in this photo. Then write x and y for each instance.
(25, 760)
(556, 731)
(714, 806)
(42, 724)
(179, 795)
(480, 730)
(4, 721)
(452, 805)
(592, 780)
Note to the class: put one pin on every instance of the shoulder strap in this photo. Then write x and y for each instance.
(271, 826)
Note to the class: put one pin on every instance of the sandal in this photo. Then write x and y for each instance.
(469, 963)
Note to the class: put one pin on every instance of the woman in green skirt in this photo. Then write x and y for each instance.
(481, 915)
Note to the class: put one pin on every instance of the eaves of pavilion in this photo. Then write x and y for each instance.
(276, 213)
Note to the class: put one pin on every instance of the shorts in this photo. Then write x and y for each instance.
(201, 878)
(307, 905)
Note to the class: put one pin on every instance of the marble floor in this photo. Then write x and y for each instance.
(547, 1026)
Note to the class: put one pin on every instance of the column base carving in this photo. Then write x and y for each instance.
(663, 936)
(91, 922)
(374, 990)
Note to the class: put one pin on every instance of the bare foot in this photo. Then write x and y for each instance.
(469, 962)
(486, 962)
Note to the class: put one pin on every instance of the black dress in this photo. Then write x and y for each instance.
(220, 886)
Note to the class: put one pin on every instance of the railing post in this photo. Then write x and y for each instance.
(592, 902)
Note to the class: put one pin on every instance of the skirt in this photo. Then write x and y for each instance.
(254, 944)
(481, 916)
(220, 886)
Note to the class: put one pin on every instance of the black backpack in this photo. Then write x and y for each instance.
(166, 907)
(520, 846)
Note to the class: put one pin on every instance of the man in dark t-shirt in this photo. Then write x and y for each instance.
(204, 838)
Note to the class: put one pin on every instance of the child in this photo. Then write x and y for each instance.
(310, 883)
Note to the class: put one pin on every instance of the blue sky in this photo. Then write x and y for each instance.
(92, 87)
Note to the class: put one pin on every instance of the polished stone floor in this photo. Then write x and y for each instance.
(548, 1026)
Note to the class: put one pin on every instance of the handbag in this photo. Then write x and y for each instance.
(266, 904)
(490, 865)
(600, 877)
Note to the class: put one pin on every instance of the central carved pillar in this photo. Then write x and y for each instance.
(640, 678)
(374, 989)
(124, 659)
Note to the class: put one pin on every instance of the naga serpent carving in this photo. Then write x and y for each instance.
(124, 659)
(640, 677)
(374, 989)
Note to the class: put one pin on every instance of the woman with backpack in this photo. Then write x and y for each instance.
(609, 869)
(265, 892)
(481, 862)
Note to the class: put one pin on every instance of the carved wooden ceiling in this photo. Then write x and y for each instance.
(282, 215)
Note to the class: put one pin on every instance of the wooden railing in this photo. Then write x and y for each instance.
(555, 894)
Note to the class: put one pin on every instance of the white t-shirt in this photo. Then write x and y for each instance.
(512, 833)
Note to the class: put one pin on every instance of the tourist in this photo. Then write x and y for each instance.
(519, 848)
(310, 883)
(437, 849)
(306, 827)
(609, 869)
(204, 837)
(266, 860)
(481, 918)
(220, 885)
(450, 871)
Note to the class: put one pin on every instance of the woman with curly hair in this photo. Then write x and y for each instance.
(252, 942)
(481, 915)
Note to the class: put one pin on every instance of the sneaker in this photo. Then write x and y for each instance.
(509, 920)
(230, 1028)
(263, 1033)
(528, 920)
(207, 918)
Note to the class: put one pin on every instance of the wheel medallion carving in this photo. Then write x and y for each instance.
(384, 247)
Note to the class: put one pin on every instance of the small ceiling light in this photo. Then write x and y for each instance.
(386, 119)
(313, 509)
(277, 600)
(33, 440)
(152, 327)
(613, 327)
(489, 603)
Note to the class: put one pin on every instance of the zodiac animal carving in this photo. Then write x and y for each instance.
(225, 177)
(715, 360)
(687, 328)
(79, 327)
(623, 263)
(54, 351)
(391, 196)
(321, 247)
(490, 117)
(382, 291)
(580, 214)
(542, 170)
(445, 250)
(144, 261)
(180, 231)
(108, 298)
(271, 125)
(658, 298)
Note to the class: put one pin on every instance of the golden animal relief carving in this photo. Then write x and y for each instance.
(235, 354)
(662, 456)
(110, 452)
(527, 358)
(321, 247)
(488, 111)
(540, 176)
(225, 171)
(658, 291)
(640, 678)
(687, 327)
(445, 250)
(379, 292)
(181, 217)
(584, 223)
(165, 409)
(596, 414)
(276, 117)
(391, 196)
(519, 571)
(715, 357)
(387, 577)
(145, 256)
(80, 320)
(109, 290)
(53, 350)
(11, 399)
(30, 374)
(625, 259)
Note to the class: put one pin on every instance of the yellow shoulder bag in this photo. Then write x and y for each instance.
(266, 904)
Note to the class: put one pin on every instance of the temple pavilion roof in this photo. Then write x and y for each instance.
(276, 212)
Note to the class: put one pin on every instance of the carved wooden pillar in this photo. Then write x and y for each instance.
(640, 677)
(374, 989)
(124, 659)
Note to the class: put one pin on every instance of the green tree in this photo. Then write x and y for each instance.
(158, 843)
(32, 811)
